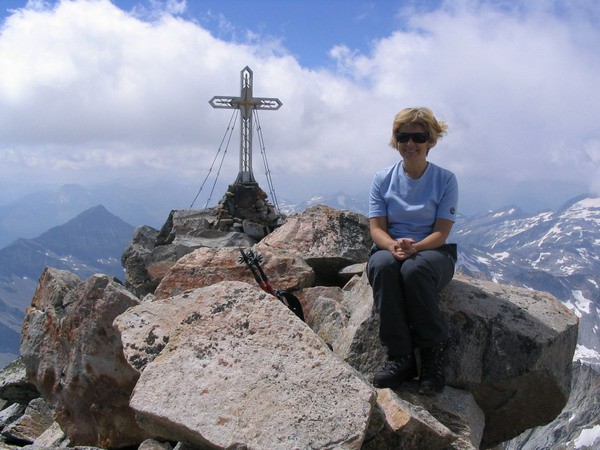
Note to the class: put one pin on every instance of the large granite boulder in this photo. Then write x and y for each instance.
(326, 238)
(206, 266)
(151, 328)
(74, 357)
(513, 349)
(250, 374)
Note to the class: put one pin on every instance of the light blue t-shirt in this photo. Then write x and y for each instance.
(412, 206)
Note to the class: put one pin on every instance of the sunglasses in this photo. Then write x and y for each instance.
(418, 138)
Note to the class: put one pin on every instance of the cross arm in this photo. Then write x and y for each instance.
(223, 102)
(219, 101)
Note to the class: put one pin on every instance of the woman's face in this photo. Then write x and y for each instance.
(411, 151)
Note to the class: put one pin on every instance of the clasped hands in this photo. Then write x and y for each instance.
(403, 248)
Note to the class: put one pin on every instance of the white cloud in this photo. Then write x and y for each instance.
(88, 91)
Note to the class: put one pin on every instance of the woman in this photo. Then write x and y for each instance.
(412, 208)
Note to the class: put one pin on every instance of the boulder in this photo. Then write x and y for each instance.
(152, 253)
(74, 357)
(14, 385)
(34, 421)
(137, 257)
(326, 238)
(206, 266)
(510, 347)
(347, 273)
(408, 426)
(250, 375)
(513, 349)
(53, 436)
(309, 296)
(347, 321)
(11, 413)
(455, 408)
(191, 229)
(185, 222)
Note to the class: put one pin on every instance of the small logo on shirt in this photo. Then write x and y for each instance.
(452, 211)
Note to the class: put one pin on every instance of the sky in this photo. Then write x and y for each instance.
(99, 91)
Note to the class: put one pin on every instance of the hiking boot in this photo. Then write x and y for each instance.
(395, 371)
(432, 378)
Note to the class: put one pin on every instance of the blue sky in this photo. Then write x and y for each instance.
(306, 28)
(93, 91)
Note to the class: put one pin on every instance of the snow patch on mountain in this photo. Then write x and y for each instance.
(583, 353)
(500, 256)
(582, 304)
(588, 438)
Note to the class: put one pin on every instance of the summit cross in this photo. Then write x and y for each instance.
(246, 103)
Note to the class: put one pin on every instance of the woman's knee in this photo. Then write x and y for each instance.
(417, 268)
(380, 262)
(427, 268)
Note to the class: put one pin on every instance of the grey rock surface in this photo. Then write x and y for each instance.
(251, 374)
(74, 357)
(35, 420)
(326, 238)
(14, 385)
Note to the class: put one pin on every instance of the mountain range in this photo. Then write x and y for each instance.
(32, 214)
(90, 243)
(554, 251)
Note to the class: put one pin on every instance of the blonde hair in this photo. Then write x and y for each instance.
(422, 116)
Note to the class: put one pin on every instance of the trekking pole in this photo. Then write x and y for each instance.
(253, 262)
(256, 260)
(247, 259)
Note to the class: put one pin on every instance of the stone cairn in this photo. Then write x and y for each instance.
(245, 208)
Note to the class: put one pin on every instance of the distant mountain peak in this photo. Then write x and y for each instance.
(584, 200)
(94, 211)
(507, 211)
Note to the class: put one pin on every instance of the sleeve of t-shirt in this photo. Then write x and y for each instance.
(377, 206)
(448, 205)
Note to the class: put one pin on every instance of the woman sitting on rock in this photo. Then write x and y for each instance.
(412, 208)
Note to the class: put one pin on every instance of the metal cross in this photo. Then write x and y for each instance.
(246, 103)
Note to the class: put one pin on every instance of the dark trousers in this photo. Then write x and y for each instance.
(406, 295)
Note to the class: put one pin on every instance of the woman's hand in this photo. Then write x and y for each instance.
(403, 248)
(400, 249)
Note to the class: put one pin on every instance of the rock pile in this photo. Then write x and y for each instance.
(245, 208)
(201, 357)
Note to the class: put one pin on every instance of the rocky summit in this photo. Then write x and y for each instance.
(191, 353)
